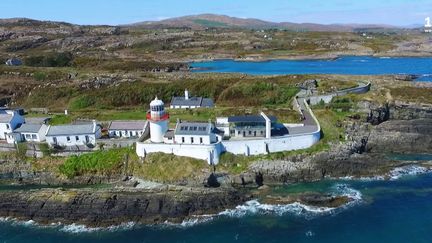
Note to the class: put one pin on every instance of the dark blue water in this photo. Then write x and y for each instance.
(350, 65)
(386, 211)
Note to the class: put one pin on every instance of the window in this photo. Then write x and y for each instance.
(27, 136)
(77, 138)
(183, 140)
(201, 140)
(7, 126)
(34, 136)
(192, 140)
(250, 132)
(68, 139)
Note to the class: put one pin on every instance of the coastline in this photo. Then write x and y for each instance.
(329, 56)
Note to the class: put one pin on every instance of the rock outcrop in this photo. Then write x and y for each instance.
(114, 206)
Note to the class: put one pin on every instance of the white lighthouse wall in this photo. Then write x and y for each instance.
(158, 130)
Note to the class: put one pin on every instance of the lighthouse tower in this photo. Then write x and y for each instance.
(158, 121)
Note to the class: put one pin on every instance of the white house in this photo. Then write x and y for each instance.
(73, 135)
(196, 133)
(9, 121)
(32, 132)
(186, 102)
(126, 129)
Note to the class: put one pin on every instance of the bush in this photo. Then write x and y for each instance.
(82, 102)
(39, 76)
(62, 59)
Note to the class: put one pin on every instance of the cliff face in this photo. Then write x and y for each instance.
(114, 206)
(413, 136)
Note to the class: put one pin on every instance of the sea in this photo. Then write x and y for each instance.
(397, 208)
(349, 65)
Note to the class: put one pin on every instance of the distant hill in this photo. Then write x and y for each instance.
(222, 21)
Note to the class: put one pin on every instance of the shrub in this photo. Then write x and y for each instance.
(82, 102)
(62, 59)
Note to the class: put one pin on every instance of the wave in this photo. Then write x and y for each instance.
(254, 207)
(399, 172)
(79, 228)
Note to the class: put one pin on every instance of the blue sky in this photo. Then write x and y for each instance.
(113, 12)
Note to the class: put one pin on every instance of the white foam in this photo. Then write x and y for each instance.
(254, 207)
(345, 190)
(397, 173)
(309, 233)
(79, 228)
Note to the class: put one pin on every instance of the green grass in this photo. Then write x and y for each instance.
(326, 85)
(61, 119)
(168, 168)
(97, 163)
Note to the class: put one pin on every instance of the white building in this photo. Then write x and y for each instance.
(126, 129)
(187, 102)
(196, 133)
(9, 121)
(428, 25)
(32, 132)
(73, 135)
(241, 135)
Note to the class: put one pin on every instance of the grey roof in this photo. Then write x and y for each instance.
(193, 128)
(5, 118)
(70, 130)
(169, 134)
(127, 125)
(192, 101)
(245, 119)
(30, 128)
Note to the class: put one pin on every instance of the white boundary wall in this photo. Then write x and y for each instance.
(209, 153)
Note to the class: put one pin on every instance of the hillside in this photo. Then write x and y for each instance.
(203, 21)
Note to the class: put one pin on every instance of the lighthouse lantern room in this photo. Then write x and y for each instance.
(158, 121)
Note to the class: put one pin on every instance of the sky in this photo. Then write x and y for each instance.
(115, 12)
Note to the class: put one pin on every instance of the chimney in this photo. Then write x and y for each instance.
(186, 94)
(267, 124)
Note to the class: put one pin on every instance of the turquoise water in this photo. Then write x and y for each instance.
(383, 211)
(350, 65)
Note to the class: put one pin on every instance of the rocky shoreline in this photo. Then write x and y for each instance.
(389, 128)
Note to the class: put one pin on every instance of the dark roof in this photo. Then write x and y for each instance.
(192, 101)
(236, 119)
(29, 128)
(127, 125)
(169, 134)
(193, 128)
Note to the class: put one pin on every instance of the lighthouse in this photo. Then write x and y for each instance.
(158, 121)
